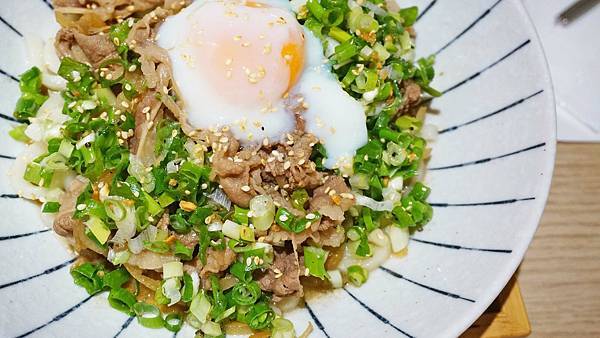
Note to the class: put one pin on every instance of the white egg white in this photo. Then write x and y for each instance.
(332, 115)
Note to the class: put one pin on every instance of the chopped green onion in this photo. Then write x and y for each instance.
(182, 251)
(211, 329)
(100, 230)
(339, 34)
(357, 275)
(247, 234)
(282, 328)
(118, 257)
(159, 296)
(232, 229)
(148, 315)
(172, 269)
(262, 210)
(284, 219)
(200, 307)
(116, 278)
(38, 175)
(18, 133)
(157, 246)
(240, 215)
(245, 293)
(409, 15)
(86, 276)
(173, 322)
(314, 260)
(299, 198)
(316, 9)
(51, 207)
(187, 292)
(122, 300)
(260, 316)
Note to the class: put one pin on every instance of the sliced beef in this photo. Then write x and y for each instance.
(331, 200)
(91, 49)
(283, 167)
(412, 97)
(64, 221)
(217, 261)
(283, 276)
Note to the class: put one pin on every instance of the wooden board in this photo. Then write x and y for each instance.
(505, 318)
(560, 276)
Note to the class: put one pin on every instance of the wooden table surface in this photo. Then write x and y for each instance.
(560, 276)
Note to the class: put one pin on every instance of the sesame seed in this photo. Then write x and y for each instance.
(301, 162)
(347, 195)
(245, 188)
(287, 165)
(123, 118)
(132, 68)
(283, 218)
(311, 216)
(109, 76)
(204, 186)
(81, 207)
(249, 261)
(306, 272)
(265, 142)
(125, 104)
(256, 260)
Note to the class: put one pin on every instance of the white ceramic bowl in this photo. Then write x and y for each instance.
(490, 174)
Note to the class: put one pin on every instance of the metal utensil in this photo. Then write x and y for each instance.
(576, 10)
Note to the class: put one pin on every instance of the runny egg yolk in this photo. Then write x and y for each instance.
(251, 53)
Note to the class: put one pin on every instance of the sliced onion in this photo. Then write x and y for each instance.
(219, 197)
(373, 204)
(173, 166)
(89, 138)
(216, 226)
(377, 237)
(171, 289)
(398, 237)
(195, 282)
(124, 217)
(374, 8)
(379, 255)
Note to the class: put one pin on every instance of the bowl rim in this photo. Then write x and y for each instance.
(518, 252)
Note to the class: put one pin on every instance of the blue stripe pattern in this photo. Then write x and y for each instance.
(124, 327)
(478, 204)
(9, 237)
(11, 27)
(474, 76)
(503, 109)
(48, 3)
(488, 159)
(458, 247)
(43, 273)
(473, 24)
(315, 319)
(377, 315)
(8, 118)
(426, 10)
(8, 75)
(430, 288)
(57, 318)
